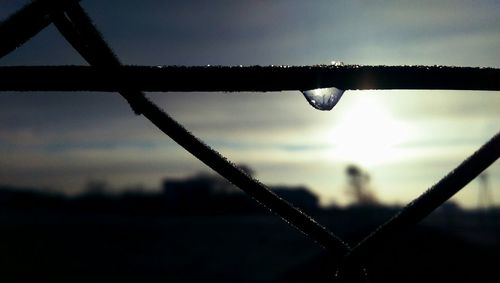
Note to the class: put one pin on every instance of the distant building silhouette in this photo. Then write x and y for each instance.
(298, 196)
(201, 194)
(203, 191)
(198, 186)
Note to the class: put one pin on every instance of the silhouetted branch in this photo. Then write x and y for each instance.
(431, 199)
(107, 77)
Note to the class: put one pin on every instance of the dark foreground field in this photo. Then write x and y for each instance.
(59, 247)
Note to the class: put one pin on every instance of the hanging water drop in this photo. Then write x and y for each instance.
(323, 98)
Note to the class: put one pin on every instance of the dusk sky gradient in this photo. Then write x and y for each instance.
(406, 140)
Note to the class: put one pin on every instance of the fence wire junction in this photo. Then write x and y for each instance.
(77, 28)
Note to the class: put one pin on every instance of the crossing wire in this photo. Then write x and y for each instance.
(422, 206)
(77, 28)
(27, 22)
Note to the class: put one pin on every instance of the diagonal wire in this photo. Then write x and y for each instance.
(232, 78)
(26, 23)
(77, 28)
(75, 24)
(429, 200)
(97, 53)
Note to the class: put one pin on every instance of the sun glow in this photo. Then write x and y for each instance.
(367, 133)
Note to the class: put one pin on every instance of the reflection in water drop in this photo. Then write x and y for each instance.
(323, 98)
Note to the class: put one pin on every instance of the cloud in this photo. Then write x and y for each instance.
(428, 105)
(63, 139)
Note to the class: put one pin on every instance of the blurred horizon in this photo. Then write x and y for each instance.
(201, 229)
(406, 140)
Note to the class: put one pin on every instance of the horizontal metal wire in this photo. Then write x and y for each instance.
(250, 78)
(84, 37)
(76, 26)
(97, 52)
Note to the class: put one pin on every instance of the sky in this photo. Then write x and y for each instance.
(406, 140)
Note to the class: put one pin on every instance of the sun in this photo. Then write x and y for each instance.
(367, 132)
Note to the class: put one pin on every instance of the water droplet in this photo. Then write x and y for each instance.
(323, 98)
